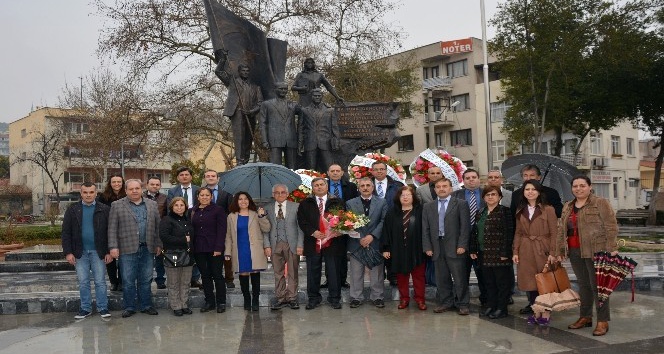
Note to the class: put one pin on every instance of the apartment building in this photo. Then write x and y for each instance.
(453, 92)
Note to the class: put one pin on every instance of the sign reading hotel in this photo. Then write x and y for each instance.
(457, 46)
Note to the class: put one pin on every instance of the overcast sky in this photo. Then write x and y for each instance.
(46, 44)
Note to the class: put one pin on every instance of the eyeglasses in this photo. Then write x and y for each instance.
(492, 194)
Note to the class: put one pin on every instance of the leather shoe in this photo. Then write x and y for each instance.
(441, 309)
(186, 311)
(355, 303)
(127, 313)
(581, 323)
(422, 306)
(178, 313)
(497, 314)
(207, 307)
(526, 310)
(464, 311)
(312, 305)
(196, 284)
(278, 305)
(336, 305)
(150, 311)
(294, 305)
(161, 286)
(402, 304)
(221, 308)
(345, 285)
(487, 312)
(601, 328)
(379, 303)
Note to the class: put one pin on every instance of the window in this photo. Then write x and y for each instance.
(629, 145)
(615, 145)
(426, 105)
(78, 128)
(468, 163)
(601, 190)
(24, 179)
(464, 102)
(527, 148)
(544, 147)
(568, 146)
(406, 143)
(615, 187)
(436, 104)
(24, 133)
(461, 137)
(498, 148)
(405, 109)
(498, 111)
(425, 73)
(457, 68)
(596, 143)
(439, 139)
(154, 174)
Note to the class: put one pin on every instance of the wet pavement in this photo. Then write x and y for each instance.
(635, 328)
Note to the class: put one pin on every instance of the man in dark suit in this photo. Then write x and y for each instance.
(309, 216)
(188, 191)
(276, 123)
(385, 188)
(472, 193)
(367, 236)
(152, 192)
(446, 238)
(133, 233)
(318, 133)
(340, 187)
(224, 200)
(529, 172)
(285, 244)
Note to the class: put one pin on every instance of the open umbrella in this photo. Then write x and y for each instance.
(556, 173)
(258, 178)
(609, 272)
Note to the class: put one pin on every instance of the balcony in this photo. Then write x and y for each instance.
(579, 161)
(439, 83)
(443, 119)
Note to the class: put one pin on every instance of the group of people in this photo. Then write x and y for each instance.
(486, 229)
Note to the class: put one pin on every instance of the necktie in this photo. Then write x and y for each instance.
(337, 193)
(280, 213)
(366, 203)
(185, 196)
(380, 191)
(472, 204)
(321, 206)
(441, 217)
(214, 195)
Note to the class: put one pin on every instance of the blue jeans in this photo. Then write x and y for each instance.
(136, 269)
(90, 261)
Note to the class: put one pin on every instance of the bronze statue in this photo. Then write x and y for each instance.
(276, 123)
(310, 79)
(318, 133)
(242, 104)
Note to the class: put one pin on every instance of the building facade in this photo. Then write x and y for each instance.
(454, 117)
(72, 164)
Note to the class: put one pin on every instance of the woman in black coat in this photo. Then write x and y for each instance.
(115, 189)
(491, 244)
(402, 243)
(175, 231)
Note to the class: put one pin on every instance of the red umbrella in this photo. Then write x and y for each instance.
(609, 272)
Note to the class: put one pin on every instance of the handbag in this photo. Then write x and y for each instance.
(552, 279)
(178, 258)
(367, 256)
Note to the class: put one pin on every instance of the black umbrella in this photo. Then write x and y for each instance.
(258, 178)
(556, 173)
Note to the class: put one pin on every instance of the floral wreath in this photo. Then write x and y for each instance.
(451, 166)
(304, 189)
(360, 167)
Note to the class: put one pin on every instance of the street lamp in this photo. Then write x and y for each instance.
(487, 103)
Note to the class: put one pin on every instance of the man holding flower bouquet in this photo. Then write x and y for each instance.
(367, 236)
(321, 243)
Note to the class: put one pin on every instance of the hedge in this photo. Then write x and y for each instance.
(32, 233)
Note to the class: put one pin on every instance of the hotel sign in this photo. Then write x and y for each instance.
(457, 46)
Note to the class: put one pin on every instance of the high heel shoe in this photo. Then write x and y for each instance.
(422, 306)
(402, 304)
(532, 320)
(544, 321)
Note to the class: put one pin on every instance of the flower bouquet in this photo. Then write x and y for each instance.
(451, 166)
(306, 176)
(360, 167)
(337, 222)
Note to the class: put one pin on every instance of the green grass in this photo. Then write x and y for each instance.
(31, 235)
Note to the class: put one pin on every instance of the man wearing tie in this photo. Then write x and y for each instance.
(369, 236)
(284, 243)
(309, 215)
(188, 191)
(471, 193)
(445, 238)
(224, 200)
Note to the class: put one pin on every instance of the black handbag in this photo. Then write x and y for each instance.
(367, 256)
(178, 258)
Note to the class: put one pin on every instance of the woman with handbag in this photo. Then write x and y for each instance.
(244, 245)
(587, 225)
(535, 236)
(493, 238)
(209, 238)
(175, 231)
(402, 243)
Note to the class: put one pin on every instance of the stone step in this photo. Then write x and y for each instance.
(38, 252)
(35, 266)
